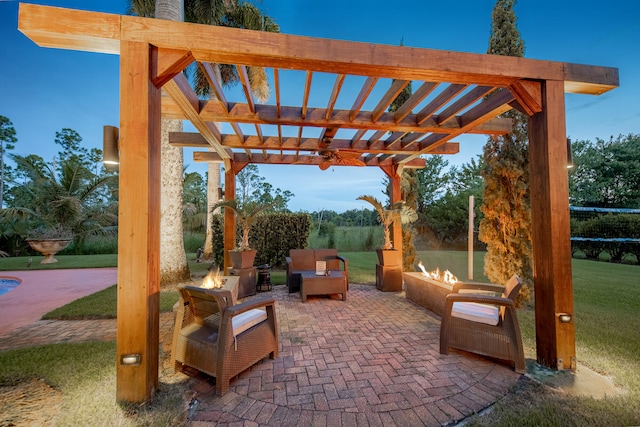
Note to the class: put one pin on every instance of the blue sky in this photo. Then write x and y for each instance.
(45, 90)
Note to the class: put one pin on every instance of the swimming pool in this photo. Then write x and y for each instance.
(8, 283)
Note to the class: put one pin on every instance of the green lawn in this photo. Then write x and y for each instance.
(64, 261)
(606, 298)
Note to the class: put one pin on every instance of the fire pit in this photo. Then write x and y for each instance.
(429, 289)
(215, 280)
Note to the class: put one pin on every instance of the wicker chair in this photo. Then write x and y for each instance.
(483, 323)
(220, 339)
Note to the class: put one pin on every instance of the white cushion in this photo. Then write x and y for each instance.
(244, 321)
(475, 312)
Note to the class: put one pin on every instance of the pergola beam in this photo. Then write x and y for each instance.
(192, 139)
(289, 159)
(101, 32)
(212, 111)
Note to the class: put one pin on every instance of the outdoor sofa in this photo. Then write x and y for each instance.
(300, 260)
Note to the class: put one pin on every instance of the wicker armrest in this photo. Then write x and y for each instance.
(477, 286)
(249, 305)
(345, 265)
(345, 261)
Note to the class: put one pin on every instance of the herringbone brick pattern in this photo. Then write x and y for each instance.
(372, 360)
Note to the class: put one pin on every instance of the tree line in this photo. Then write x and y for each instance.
(76, 191)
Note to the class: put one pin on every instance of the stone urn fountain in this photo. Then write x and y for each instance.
(48, 248)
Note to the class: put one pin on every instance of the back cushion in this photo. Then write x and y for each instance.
(512, 287)
(302, 259)
(328, 255)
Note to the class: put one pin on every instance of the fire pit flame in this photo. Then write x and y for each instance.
(445, 277)
(213, 280)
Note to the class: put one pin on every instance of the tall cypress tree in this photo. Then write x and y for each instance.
(506, 226)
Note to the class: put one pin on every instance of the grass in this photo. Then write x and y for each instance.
(102, 305)
(606, 298)
(64, 261)
(86, 376)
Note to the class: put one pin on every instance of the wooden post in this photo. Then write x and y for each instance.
(138, 227)
(555, 336)
(229, 215)
(395, 195)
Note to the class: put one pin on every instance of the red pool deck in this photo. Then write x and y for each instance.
(44, 290)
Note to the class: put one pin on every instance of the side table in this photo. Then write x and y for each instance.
(312, 284)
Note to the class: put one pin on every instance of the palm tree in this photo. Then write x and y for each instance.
(247, 215)
(173, 257)
(231, 13)
(70, 202)
(398, 211)
(211, 12)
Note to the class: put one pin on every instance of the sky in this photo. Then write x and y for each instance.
(44, 90)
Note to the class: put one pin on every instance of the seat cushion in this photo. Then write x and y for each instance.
(249, 318)
(474, 312)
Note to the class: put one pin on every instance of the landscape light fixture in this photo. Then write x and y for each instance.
(110, 154)
(569, 154)
(130, 359)
(565, 317)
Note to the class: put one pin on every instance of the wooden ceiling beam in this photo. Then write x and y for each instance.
(277, 159)
(169, 62)
(358, 135)
(214, 84)
(394, 140)
(290, 116)
(442, 98)
(529, 96)
(366, 89)
(421, 93)
(180, 91)
(276, 86)
(101, 32)
(334, 95)
(463, 102)
(376, 137)
(396, 87)
(230, 141)
(246, 86)
(305, 96)
(448, 148)
(493, 106)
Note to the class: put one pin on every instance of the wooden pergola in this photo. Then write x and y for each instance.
(450, 99)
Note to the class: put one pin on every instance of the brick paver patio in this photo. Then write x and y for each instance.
(372, 360)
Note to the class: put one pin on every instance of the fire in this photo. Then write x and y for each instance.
(445, 276)
(213, 280)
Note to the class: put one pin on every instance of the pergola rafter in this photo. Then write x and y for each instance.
(457, 93)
